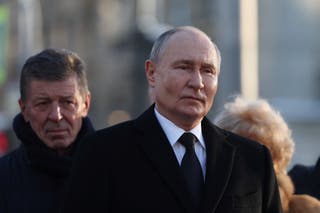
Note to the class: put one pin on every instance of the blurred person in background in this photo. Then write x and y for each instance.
(4, 138)
(258, 121)
(54, 103)
(306, 179)
(4, 144)
(172, 158)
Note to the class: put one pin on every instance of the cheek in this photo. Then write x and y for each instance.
(34, 117)
(37, 124)
(173, 87)
(170, 84)
(175, 83)
(73, 118)
(211, 88)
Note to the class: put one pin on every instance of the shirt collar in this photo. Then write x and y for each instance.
(173, 132)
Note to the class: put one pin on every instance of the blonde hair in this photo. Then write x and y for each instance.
(258, 121)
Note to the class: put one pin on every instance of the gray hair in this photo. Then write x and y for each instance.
(160, 42)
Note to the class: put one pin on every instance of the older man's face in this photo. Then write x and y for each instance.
(55, 110)
(184, 81)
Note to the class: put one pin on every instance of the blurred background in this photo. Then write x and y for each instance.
(270, 49)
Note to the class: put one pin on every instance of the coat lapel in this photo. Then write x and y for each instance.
(220, 159)
(158, 150)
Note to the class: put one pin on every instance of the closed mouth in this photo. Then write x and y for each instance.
(56, 131)
(193, 98)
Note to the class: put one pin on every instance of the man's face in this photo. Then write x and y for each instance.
(184, 80)
(55, 110)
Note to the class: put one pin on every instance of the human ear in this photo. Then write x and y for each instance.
(150, 67)
(22, 106)
(86, 105)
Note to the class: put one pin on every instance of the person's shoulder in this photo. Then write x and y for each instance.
(116, 128)
(246, 148)
(11, 156)
(239, 141)
(11, 161)
(106, 135)
(247, 153)
(305, 170)
(300, 171)
(104, 143)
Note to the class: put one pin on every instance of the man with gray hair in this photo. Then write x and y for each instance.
(172, 158)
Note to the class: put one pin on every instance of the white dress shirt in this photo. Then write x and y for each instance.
(174, 132)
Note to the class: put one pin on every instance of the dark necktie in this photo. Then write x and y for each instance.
(191, 168)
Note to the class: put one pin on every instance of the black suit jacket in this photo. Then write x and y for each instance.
(131, 167)
(306, 179)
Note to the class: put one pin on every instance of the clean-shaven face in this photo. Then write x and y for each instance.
(184, 81)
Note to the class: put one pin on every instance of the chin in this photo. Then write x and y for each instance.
(60, 144)
(193, 112)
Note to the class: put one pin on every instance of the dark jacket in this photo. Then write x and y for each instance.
(306, 179)
(131, 167)
(33, 177)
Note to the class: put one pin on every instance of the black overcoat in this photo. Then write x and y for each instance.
(131, 167)
(33, 178)
(306, 179)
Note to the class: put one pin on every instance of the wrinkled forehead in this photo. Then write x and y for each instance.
(63, 87)
(71, 79)
(191, 44)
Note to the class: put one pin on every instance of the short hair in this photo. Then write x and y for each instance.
(258, 121)
(53, 65)
(160, 42)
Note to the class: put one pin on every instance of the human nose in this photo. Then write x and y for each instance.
(55, 113)
(196, 80)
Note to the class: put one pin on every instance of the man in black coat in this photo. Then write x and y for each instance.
(54, 104)
(306, 179)
(146, 164)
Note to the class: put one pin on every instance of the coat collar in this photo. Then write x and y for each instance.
(317, 169)
(220, 156)
(41, 157)
(158, 149)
